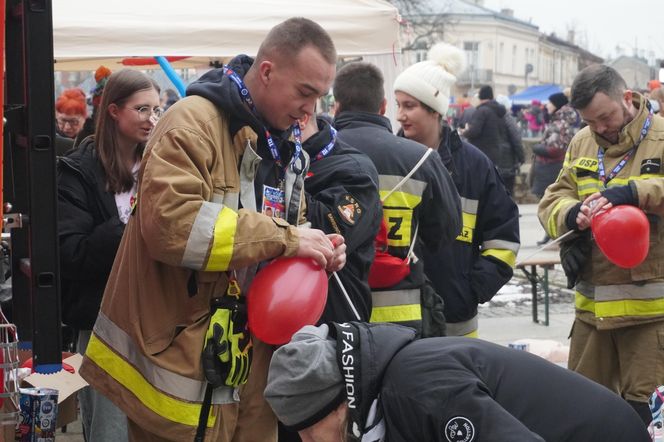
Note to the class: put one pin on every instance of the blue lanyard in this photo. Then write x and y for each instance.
(616, 170)
(246, 97)
(327, 149)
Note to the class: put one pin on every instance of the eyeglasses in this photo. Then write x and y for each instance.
(72, 122)
(145, 112)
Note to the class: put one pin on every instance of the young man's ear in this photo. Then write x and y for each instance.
(627, 96)
(264, 71)
(383, 107)
(303, 121)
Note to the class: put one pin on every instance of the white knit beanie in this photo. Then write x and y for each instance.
(430, 81)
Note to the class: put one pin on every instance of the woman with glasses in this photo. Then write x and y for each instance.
(70, 114)
(96, 193)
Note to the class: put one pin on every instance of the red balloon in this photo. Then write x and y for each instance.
(623, 235)
(286, 295)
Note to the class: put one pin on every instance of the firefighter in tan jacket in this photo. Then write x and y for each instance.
(215, 161)
(618, 335)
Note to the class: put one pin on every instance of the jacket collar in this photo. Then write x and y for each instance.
(354, 119)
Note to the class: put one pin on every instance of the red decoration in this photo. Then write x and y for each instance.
(286, 295)
(623, 235)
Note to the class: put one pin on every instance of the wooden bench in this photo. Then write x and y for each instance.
(545, 260)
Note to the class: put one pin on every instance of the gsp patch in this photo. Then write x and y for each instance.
(349, 209)
(459, 429)
(651, 165)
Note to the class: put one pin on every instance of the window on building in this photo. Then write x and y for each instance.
(472, 49)
(501, 57)
(513, 59)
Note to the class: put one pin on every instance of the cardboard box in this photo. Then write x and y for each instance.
(66, 383)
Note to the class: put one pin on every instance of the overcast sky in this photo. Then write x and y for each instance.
(603, 25)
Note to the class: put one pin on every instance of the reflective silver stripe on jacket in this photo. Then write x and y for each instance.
(469, 206)
(171, 383)
(461, 328)
(619, 292)
(389, 298)
(412, 186)
(501, 244)
(201, 235)
(248, 167)
(228, 199)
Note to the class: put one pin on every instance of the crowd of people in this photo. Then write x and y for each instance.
(166, 217)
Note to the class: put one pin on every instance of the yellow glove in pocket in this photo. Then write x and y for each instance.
(228, 350)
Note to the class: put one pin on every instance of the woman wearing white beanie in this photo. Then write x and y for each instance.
(480, 261)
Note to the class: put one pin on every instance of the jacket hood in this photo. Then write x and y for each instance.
(363, 353)
(220, 90)
(498, 108)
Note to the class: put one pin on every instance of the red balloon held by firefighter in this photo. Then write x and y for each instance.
(622, 233)
(286, 295)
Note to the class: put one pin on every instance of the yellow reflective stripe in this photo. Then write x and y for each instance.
(552, 227)
(472, 334)
(625, 307)
(185, 413)
(400, 199)
(506, 256)
(469, 221)
(221, 251)
(396, 313)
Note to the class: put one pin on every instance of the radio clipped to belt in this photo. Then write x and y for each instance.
(228, 349)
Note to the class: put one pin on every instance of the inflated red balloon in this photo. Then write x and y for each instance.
(286, 295)
(622, 233)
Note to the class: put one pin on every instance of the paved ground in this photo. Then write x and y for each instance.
(508, 316)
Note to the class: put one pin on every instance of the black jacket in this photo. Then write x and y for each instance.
(487, 129)
(479, 262)
(89, 232)
(431, 195)
(464, 389)
(342, 197)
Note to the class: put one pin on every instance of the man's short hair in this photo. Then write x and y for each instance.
(594, 79)
(359, 87)
(291, 36)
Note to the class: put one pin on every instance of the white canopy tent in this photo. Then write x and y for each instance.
(87, 34)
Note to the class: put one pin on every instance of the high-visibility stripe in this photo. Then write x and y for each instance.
(501, 244)
(473, 334)
(469, 205)
(612, 309)
(396, 306)
(200, 236)
(412, 186)
(506, 256)
(396, 313)
(166, 381)
(395, 297)
(221, 251)
(400, 199)
(552, 228)
(161, 404)
(617, 292)
(463, 328)
(469, 221)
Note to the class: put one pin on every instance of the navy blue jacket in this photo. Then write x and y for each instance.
(342, 197)
(479, 262)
